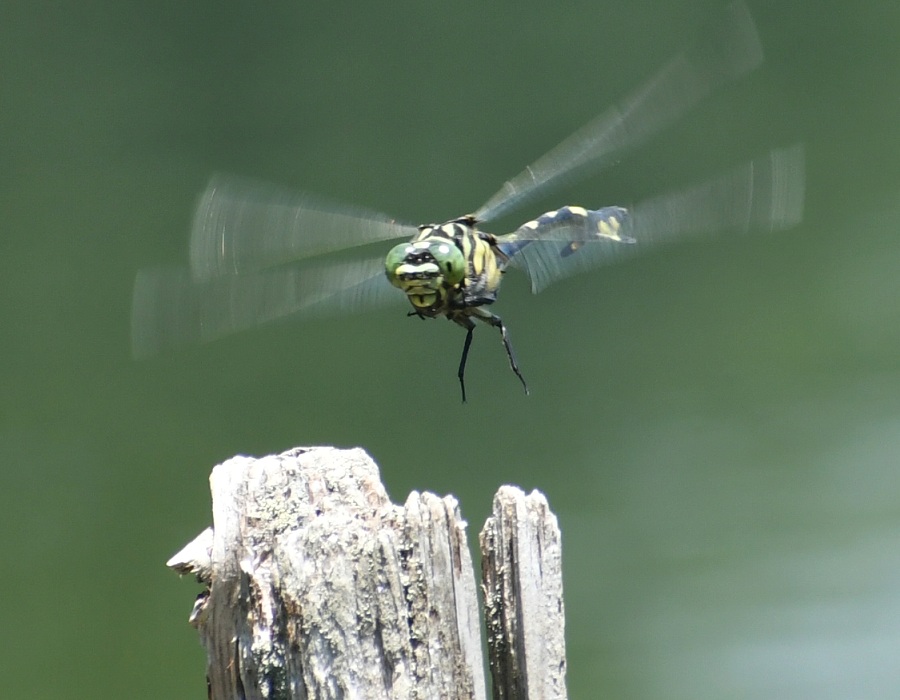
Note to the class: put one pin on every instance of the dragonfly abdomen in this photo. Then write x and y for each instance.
(572, 226)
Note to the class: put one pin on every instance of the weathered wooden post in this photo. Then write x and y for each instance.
(318, 587)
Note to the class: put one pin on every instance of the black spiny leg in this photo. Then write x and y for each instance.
(470, 327)
(498, 323)
(466, 322)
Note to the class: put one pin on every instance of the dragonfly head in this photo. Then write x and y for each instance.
(426, 271)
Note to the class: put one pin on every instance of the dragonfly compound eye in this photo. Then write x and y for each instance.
(449, 259)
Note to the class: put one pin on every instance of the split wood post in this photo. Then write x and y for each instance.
(319, 588)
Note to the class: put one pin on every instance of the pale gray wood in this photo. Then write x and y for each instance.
(522, 574)
(319, 587)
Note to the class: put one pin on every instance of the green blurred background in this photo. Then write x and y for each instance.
(716, 425)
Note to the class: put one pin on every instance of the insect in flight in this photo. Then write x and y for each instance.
(255, 248)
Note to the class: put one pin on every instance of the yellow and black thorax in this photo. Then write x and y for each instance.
(447, 268)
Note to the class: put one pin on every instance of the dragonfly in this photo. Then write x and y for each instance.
(259, 252)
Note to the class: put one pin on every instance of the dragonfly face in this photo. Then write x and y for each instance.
(430, 270)
(259, 253)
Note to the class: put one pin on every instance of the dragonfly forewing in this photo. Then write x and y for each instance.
(243, 226)
(729, 49)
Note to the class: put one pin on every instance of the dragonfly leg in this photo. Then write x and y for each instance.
(504, 334)
(470, 328)
(466, 322)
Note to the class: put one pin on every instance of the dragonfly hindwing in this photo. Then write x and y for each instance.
(763, 194)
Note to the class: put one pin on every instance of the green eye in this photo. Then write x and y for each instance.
(450, 259)
(394, 260)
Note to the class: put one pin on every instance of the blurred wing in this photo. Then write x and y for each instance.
(763, 194)
(728, 50)
(170, 308)
(244, 226)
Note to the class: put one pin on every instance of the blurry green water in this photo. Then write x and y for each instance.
(717, 426)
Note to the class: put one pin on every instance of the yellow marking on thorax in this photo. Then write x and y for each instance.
(483, 263)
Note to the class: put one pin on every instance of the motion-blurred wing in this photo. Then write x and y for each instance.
(170, 308)
(726, 51)
(244, 226)
(763, 194)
